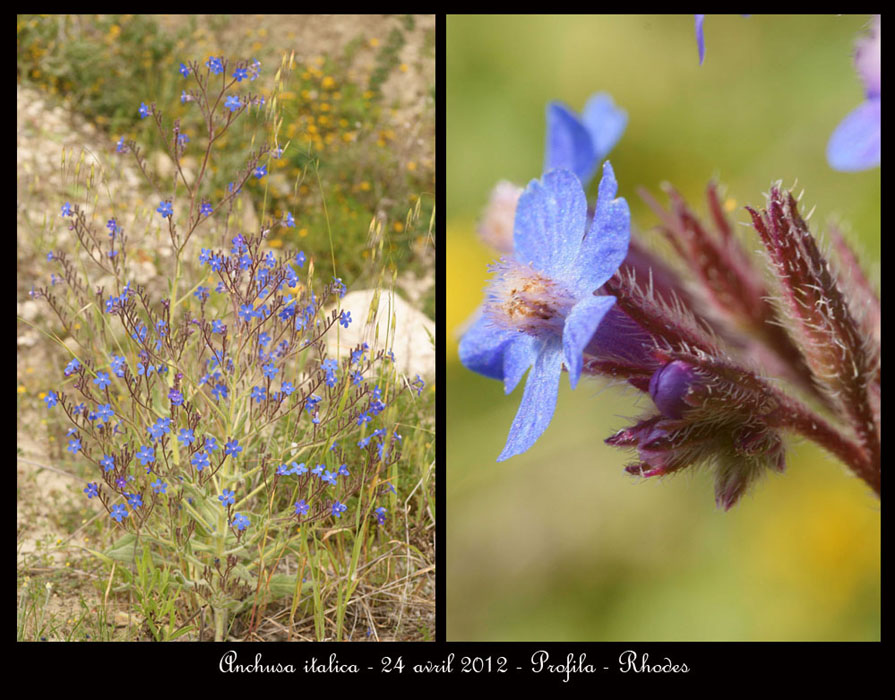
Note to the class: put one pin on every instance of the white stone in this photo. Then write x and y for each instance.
(412, 339)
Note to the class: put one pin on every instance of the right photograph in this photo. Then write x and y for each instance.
(663, 328)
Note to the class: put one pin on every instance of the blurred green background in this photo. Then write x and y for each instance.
(559, 543)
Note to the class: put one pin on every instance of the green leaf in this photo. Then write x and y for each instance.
(123, 549)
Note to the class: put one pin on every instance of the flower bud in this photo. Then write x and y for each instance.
(669, 387)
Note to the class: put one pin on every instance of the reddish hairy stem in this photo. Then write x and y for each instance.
(794, 416)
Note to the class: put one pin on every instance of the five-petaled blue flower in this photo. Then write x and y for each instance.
(118, 512)
(240, 522)
(541, 309)
(102, 380)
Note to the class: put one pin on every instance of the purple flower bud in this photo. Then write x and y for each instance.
(670, 386)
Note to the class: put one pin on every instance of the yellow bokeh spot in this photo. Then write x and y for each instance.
(365, 186)
(21, 390)
(411, 166)
(275, 243)
(327, 82)
(730, 204)
(302, 232)
(403, 68)
(398, 226)
(374, 42)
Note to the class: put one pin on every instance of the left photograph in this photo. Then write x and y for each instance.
(226, 328)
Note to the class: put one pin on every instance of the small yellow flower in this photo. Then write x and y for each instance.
(403, 68)
(398, 226)
(302, 232)
(327, 82)
(411, 166)
(275, 243)
(374, 42)
(365, 186)
(21, 390)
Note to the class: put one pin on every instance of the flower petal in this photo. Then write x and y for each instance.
(605, 122)
(519, 354)
(538, 402)
(700, 37)
(606, 245)
(855, 144)
(550, 222)
(482, 348)
(580, 326)
(569, 143)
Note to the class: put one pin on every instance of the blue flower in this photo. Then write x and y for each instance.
(118, 512)
(580, 143)
(240, 522)
(855, 143)
(541, 310)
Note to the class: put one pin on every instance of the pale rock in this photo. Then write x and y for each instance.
(412, 338)
(251, 224)
(163, 165)
(144, 271)
(29, 309)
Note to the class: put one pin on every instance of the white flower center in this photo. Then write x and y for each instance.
(523, 299)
